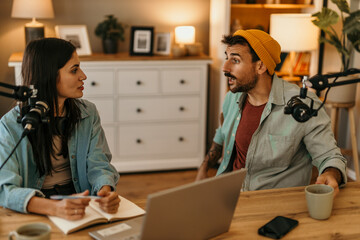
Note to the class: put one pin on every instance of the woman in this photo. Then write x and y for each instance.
(69, 154)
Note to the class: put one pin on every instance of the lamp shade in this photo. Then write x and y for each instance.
(294, 32)
(32, 9)
(185, 35)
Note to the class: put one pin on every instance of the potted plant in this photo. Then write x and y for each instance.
(346, 41)
(110, 31)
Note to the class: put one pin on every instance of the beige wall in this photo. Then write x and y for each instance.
(164, 15)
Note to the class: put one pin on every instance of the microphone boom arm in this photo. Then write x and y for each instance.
(351, 81)
(21, 93)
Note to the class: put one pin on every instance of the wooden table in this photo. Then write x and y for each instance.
(254, 209)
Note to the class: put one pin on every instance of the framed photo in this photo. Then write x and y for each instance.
(141, 42)
(162, 43)
(77, 35)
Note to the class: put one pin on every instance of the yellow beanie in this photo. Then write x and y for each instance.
(267, 48)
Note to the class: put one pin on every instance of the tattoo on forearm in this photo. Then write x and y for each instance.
(213, 155)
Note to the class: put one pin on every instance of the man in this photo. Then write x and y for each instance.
(255, 133)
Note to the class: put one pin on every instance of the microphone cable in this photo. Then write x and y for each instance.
(26, 131)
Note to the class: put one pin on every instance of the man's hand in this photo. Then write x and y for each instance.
(110, 201)
(202, 172)
(210, 160)
(332, 177)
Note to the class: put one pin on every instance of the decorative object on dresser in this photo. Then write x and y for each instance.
(185, 40)
(77, 35)
(152, 108)
(141, 42)
(33, 9)
(162, 43)
(110, 31)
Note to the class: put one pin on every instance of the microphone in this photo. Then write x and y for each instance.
(30, 121)
(34, 117)
(297, 108)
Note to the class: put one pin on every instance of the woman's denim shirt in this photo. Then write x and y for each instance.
(89, 157)
(282, 151)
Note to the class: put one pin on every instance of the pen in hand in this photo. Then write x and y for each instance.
(60, 197)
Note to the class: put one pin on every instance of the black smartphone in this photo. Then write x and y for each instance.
(278, 227)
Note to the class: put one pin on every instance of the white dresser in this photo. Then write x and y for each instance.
(152, 109)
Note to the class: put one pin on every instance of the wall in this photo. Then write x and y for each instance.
(164, 15)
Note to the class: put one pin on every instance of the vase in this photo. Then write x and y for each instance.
(110, 46)
(343, 93)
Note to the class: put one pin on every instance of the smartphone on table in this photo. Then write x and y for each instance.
(278, 227)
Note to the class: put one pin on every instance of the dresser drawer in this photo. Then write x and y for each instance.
(180, 139)
(138, 82)
(98, 82)
(105, 107)
(180, 81)
(159, 108)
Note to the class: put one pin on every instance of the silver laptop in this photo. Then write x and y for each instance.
(198, 210)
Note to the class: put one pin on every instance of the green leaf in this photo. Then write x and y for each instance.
(342, 5)
(352, 22)
(325, 18)
(352, 29)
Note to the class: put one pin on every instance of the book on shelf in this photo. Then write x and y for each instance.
(94, 215)
(301, 63)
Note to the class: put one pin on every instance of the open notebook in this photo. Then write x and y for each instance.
(93, 215)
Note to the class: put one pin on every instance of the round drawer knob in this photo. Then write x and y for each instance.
(182, 81)
(181, 109)
(138, 110)
(138, 141)
(93, 83)
(181, 139)
(138, 82)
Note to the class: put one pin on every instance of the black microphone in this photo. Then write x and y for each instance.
(36, 115)
(31, 120)
(297, 108)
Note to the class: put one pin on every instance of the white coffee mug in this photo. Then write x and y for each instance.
(31, 231)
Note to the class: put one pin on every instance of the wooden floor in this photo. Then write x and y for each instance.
(135, 186)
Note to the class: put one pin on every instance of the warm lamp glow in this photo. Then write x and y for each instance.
(33, 9)
(294, 33)
(185, 35)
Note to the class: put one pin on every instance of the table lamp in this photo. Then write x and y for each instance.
(294, 33)
(33, 9)
(185, 38)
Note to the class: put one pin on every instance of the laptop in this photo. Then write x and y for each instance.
(198, 210)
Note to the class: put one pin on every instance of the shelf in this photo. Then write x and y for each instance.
(121, 56)
(272, 6)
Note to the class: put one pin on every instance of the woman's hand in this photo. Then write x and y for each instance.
(72, 209)
(110, 201)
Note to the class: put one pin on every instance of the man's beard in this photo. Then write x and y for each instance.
(244, 87)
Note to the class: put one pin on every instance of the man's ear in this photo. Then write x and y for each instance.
(260, 67)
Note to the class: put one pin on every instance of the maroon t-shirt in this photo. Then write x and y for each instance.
(249, 122)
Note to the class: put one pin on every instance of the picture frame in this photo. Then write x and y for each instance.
(162, 45)
(77, 35)
(141, 42)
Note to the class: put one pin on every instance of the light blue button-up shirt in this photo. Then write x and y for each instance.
(282, 151)
(89, 157)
